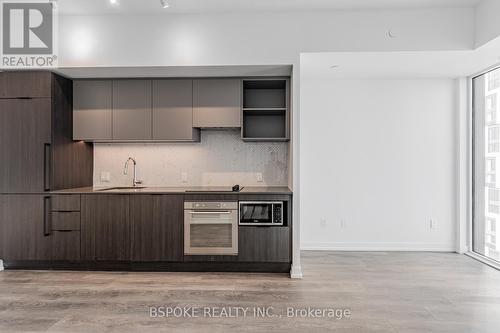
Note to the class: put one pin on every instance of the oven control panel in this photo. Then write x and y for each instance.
(211, 205)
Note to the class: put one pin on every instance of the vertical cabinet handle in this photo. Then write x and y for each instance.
(47, 217)
(46, 166)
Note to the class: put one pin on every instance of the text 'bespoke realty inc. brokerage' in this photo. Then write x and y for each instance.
(247, 311)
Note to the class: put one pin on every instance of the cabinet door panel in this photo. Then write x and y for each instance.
(156, 227)
(216, 103)
(25, 84)
(92, 110)
(22, 227)
(264, 244)
(65, 221)
(66, 245)
(131, 110)
(25, 132)
(105, 228)
(173, 110)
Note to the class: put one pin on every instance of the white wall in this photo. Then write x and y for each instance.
(255, 38)
(378, 155)
(487, 21)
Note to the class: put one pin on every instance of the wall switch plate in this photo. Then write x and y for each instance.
(184, 177)
(322, 222)
(259, 177)
(105, 177)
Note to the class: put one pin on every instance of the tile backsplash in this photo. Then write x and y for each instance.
(220, 159)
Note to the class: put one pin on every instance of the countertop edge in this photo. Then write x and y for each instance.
(280, 190)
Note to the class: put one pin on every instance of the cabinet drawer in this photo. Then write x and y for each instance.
(65, 221)
(66, 245)
(66, 203)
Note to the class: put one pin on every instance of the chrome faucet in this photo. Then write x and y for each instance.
(135, 182)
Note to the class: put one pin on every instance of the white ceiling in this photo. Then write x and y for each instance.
(98, 7)
(399, 65)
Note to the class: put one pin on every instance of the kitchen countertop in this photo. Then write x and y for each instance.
(177, 190)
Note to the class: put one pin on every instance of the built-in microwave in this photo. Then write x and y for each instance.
(263, 213)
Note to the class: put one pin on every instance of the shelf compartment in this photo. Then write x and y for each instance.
(264, 94)
(264, 125)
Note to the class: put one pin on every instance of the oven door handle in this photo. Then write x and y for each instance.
(194, 212)
(210, 223)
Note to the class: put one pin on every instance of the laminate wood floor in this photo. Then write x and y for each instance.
(384, 292)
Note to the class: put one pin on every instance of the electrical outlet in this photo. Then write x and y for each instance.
(432, 224)
(322, 221)
(184, 177)
(259, 177)
(105, 177)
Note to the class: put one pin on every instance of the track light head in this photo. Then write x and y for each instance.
(164, 3)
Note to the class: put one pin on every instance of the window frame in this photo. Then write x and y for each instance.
(470, 161)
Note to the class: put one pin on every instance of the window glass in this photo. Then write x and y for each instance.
(486, 152)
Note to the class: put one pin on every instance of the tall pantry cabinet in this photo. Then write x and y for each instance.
(38, 155)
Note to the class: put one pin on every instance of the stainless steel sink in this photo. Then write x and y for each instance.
(122, 188)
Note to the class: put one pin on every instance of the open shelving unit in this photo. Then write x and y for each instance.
(265, 111)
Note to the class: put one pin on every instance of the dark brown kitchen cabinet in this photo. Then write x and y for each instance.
(25, 84)
(25, 227)
(105, 227)
(65, 221)
(264, 244)
(156, 227)
(65, 226)
(25, 137)
(65, 203)
(36, 135)
(65, 245)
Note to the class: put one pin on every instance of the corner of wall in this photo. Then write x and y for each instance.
(463, 161)
(487, 25)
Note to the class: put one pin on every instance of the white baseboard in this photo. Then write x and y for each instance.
(424, 247)
(296, 272)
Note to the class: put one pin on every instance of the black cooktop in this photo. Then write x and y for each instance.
(207, 189)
